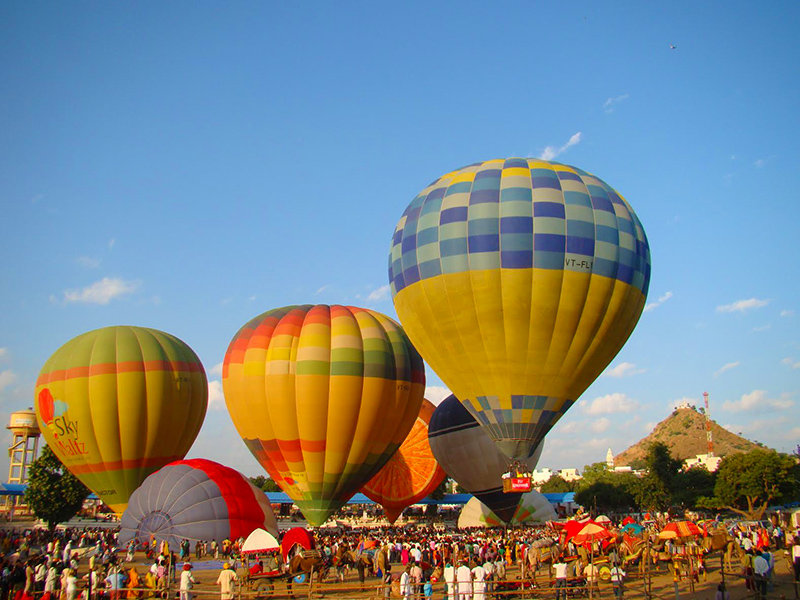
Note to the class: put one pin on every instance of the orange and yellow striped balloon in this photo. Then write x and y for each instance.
(322, 396)
(117, 404)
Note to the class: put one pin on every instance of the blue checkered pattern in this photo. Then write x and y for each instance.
(519, 214)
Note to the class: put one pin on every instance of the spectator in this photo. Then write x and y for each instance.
(226, 580)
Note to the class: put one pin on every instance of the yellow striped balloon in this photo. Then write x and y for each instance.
(117, 404)
(518, 280)
(322, 396)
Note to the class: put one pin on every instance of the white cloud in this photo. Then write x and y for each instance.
(787, 313)
(571, 427)
(661, 299)
(600, 425)
(609, 404)
(624, 369)
(550, 152)
(437, 393)
(609, 104)
(88, 262)
(759, 163)
(758, 400)
(216, 370)
(379, 294)
(321, 289)
(791, 363)
(102, 292)
(216, 399)
(726, 367)
(7, 377)
(742, 305)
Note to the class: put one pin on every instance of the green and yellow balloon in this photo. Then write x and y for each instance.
(518, 280)
(118, 403)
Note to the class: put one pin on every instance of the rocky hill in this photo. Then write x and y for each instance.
(684, 432)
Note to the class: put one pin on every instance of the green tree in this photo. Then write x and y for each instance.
(266, 484)
(654, 491)
(54, 494)
(691, 487)
(661, 465)
(594, 473)
(556, 485)
(441, 489)
(605, 496)
(650, 493)
(747, 483)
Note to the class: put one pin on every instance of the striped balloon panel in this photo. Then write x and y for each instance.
(468, 455)
(196, 500)
(322, 396)
(118, 403)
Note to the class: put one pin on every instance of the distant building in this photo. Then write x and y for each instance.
(569, 474)
(540, 476)
(708, 461)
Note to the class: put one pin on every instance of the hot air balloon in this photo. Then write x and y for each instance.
(322, 396)
(468, 455)
(518, 281)
(196, 500)
(118, 403)
(533, 507)
(411, 474)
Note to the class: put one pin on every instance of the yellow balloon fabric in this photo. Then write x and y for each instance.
(519, 280)
(117, 404)
(322, 396)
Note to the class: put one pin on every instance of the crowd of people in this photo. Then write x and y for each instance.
(407, 562)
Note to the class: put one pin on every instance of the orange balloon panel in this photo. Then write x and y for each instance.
(411, 474)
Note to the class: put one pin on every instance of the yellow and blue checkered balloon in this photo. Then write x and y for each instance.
(518, 281)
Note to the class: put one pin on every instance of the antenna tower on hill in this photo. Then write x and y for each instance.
(709, 439)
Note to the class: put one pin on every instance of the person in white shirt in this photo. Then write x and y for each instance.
(617, 577)
(449, 575)
(464, 581)
(405, 583)
(560, 568)
(187, 582)
(226, 580)
(478, 583)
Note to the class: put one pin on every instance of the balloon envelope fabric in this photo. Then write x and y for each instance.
(118, 403)
(196, 500)
(468, 455)
(411, 474)
(322, 396)
(532, 507)
(518, 281)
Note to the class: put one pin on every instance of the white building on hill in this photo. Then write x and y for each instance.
(708, 461)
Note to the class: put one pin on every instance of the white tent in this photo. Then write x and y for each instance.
(260, 540)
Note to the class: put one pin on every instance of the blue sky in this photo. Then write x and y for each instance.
(187, 166)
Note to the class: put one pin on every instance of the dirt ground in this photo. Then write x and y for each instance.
(662, 586)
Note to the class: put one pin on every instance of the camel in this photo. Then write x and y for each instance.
(308, 563)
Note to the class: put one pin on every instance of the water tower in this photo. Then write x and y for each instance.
(24, 446)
